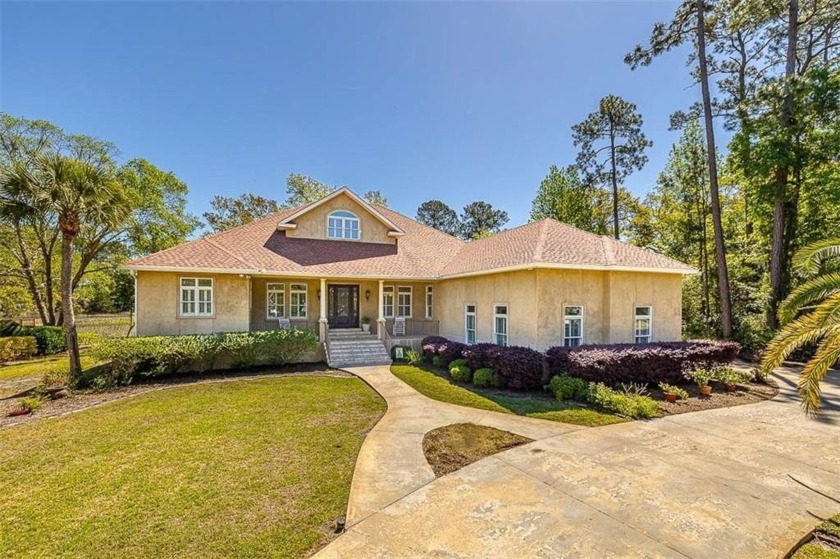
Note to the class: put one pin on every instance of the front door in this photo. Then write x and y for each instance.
(343, 306)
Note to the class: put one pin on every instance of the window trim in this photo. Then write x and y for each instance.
(196, 289)
(429, 302)
(305, 292)
(473, 314)
(386, 291)
(410, 302)
(577, 317)
(344, 219)
(648, 317)
(282, 290)
(506, 316)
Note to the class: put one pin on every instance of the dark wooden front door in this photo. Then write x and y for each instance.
(343, 306)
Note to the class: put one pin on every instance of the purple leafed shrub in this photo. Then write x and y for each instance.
(431, 345)
(479, 356)
(521, 368)
(450, 351)
(646, 363)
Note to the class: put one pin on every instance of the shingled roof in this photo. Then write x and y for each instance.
(420, 253)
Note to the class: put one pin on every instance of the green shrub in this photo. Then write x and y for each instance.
(413, 357)
(675, 390)
(437, 362)
(8, 328)
(90, 338)
(486, 377)
(731, 375)
(19, 347)
(50, 339)
(565, 387)
(123, 359)
(635, 405)
(31, 403)
(460, 371)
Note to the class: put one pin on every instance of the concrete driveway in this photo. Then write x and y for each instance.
(747, 481)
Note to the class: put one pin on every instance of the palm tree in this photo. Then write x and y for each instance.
(811, 314)
(77, 193)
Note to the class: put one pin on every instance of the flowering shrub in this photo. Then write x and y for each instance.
(431, 345)
(521, 368)
(646, 363)
(450, 351)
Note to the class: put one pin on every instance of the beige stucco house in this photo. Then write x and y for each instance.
(332, 265)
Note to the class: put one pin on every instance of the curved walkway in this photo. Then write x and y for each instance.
(747, 481)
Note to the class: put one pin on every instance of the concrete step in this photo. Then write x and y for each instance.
(349, 349)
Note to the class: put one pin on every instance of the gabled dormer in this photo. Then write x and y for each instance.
(341, 216)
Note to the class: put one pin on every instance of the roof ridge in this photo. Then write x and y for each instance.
(606, 246)
(540, 244)
(420, 223)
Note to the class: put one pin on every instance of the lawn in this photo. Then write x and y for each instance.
(245, 468)
(538, 406)
(42, 365)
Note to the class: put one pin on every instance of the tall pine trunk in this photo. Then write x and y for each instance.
(616, 230)
(779, 237)
(711, 156)
(69, 228)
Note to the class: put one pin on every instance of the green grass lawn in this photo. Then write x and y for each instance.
(40, 366)
(818, 548)
(231, 469)
(439, 388)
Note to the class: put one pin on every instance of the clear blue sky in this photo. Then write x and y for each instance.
(452, 101)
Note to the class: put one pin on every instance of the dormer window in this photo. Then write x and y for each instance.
(343, 225)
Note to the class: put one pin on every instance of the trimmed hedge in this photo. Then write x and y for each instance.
(479, 356)
(521, 368)
(487, 377)
(437, 346)
(127, 358)
(18, 347)
(49, 339)
(646, 363)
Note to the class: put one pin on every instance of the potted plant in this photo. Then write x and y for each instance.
(672, 393)
(366, 324)
(731, 377)
(702, 376)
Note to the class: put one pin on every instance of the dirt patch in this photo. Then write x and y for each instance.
(82, 399)
(452, 447)
(720, 398)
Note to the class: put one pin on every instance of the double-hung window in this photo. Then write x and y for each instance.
(429, 301)
(469, 323)
(196, 297)
(297, 301)
(343, 225)
(388, 301)
(275, 297)
(643, 325)
(404, 301)
(572, 326)
(500, 325)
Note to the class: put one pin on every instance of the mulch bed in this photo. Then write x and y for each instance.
(720, 398)
(82, 399)
(452, 447)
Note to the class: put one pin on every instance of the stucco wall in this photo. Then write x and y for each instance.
(516, 289)
(158, 297)
(259, 303)
(313, 224)
(536, 300)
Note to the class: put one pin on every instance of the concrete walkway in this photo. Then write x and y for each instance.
(747, 481)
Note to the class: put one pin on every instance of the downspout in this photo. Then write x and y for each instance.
(136, 304)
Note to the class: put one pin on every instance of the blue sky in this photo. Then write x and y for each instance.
(455, 101)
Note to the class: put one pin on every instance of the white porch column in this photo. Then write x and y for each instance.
(380, 320)
(322, 321)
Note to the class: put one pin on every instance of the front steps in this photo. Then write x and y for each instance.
(354, 348)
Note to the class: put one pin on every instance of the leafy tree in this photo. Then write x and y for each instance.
(612, 146)
(480, 219)
(811, 314)
(689, 24)
(78, 193)
(435, 213)
(229, 212)
(375, 197)
(564, 197)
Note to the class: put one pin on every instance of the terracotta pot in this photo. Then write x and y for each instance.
(706, 390)
(671, 398)
(19, 411)
(730, 387)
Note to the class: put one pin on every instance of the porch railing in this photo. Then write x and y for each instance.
(416, 328)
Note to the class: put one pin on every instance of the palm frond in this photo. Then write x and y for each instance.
(815, 370)
(809, 258)
(815, 289)
(804, 330)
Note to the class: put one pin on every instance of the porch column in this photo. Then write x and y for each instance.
(322, 321)
(380, 320)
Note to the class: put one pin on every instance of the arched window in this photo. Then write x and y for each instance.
(343, 225)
